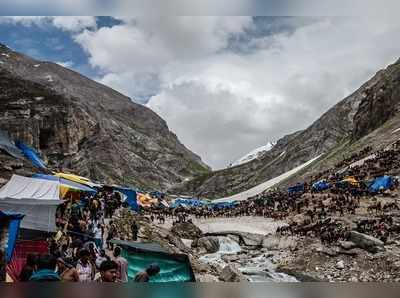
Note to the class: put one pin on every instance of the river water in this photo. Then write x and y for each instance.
(257, 269)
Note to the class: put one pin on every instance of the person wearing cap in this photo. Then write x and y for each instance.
(108, 272)
(66, 271)
(150, 271)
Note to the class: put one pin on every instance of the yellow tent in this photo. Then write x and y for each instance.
(76, 178)
(145, 200)
(352, 180)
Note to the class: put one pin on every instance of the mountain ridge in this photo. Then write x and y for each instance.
(80, 125)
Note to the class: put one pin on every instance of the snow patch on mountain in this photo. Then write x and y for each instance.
(256, 153)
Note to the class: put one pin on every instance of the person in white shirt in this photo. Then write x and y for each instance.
(85, 269)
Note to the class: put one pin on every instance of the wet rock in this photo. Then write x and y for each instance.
(231, 274)
(209, 244)
(230, 258)
(273, 242)
(369, 243)
(186, 230)
(206, 278)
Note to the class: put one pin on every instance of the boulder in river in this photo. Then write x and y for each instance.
(209, 244)
(186, 230)
(231, 274)
(274, 242)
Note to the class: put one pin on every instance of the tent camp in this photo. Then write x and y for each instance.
(381, 183)
(30, 154)
(321, 185)
(9, 225)
(8, 146)
(173, 267)
(36, 198)
(66, 185)
(299, 187)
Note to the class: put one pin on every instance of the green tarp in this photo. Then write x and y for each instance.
(173, 267)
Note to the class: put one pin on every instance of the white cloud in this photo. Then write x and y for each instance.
(222, 104)
(74, 24)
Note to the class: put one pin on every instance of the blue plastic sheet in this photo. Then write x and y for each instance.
(30, 154)
(381, 183)
(14, 220)
(131, 197)
(321, 185)
(296, 188)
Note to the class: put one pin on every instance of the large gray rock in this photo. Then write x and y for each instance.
(274, 242)
(209, 244)
(369, 243)
(347, 245)
(231, 274)
(186, 230)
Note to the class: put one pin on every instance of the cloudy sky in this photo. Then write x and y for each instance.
(225, 85)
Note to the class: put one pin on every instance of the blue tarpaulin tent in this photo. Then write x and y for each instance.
(30, 154)
(299, 187)
(321, 185)
(131, 197)
(188, 203)
(13, 221)
(224, 205)
(384, 183)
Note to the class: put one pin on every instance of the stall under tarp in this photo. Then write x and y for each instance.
(351, 180)
(321, 185)
(78, 179)
(173, 267)
(12, 222)
(37, 199)
(20, 187)
(145, 200)
(188, 203)
(7, 145)
(299, 187)
(66, 185)
(31, 154)
(381, 183)
(131, 196)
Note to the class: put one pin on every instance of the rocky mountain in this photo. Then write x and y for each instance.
(367, 117)
(82, 126)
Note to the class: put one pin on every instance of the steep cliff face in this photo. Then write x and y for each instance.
(80, 125)
(355, 117)
(381, 101)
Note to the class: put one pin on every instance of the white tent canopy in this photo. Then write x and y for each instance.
(36, 198)
(20, 187)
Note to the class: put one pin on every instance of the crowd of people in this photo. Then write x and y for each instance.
(78, 252)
